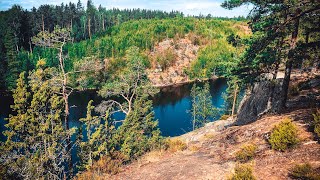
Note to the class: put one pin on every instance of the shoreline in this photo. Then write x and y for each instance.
(185, 82)
(177, 84)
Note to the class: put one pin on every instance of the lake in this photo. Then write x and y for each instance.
(170, 106)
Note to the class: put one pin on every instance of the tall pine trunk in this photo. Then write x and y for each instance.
(65, 96)
(289, 63)
(89, 27)
(234, 99)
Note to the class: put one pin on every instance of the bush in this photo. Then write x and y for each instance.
(246, 153)
(243, 172)
(174, 145)
(304, 171)
(110, 164)
(316, 123)
(166, 58)
(284, 136)
(224, 117)
(195, 40)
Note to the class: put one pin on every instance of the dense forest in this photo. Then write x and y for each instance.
(18, 26)
(48, 53)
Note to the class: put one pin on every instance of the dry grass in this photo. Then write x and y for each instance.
(194, 148)
(150, 157)
(175, 145)
(208, 136)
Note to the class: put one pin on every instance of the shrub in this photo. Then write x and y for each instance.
(174, 145)
(195, 40)
(243, 172)
(284, 135)
(166, 58)
(194, 148)
(316, 122)
(224, 117)
(304, 171)
(246, 153)
(110, 164)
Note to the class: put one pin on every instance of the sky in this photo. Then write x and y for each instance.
(188, 7)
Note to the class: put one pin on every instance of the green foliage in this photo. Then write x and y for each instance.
(242, 172)
(99, 139)
(202, 110)
(232, 96)
(284, 135)
(131, 83)
(216, 59)
(12, 61)
(316, 123)
(246, 153)
(304, 171)
(234, 40)
(281, 35)
(110, 48)
(139, 132)
(35, 142)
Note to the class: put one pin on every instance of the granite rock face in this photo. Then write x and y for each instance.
(265, 97)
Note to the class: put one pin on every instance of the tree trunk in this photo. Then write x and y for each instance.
(234, 99)
(66, 108)
(42, 24)
(103, 24)
(289, 63)
(89, 27)
(30, 45)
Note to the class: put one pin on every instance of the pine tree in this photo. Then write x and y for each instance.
(139, 132)
(13, 68)
(17, 122)
(278, 38)
(36, 141)
(194, 108)
(202, 110)
(57, 39)
(99, 139)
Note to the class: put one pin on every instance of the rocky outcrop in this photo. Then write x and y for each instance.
(265, 97)
(185, 53)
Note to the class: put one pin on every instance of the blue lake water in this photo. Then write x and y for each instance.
(171, 107)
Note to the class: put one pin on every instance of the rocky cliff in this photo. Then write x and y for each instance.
(265, 96)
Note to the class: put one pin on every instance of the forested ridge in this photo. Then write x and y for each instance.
(112, 44)
(18, 26)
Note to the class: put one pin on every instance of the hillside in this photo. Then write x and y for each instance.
(108, 50)
(175, 50)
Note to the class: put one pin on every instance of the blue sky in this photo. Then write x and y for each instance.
(188, 7)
